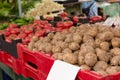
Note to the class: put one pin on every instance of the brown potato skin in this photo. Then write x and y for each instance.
(102, 55)
(115, 51)
(85, 67)
(105, 46)
(70, 58)
(102, 72)
(105, 36)
(74, 46)
(90, 59)
(115, 60)
(100, 65)
(115, 42)
(113, 69)
(81, 60)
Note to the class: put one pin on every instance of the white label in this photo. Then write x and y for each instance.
(63, 71)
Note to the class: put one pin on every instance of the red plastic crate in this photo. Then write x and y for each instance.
(34, 65)
(44, 63)
(11, 62)
(1, 56)
(91, 75)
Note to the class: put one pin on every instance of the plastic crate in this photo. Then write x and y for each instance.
(38, 65)
(9, 47)
(8, 71)
(11, 62)
(34, 65)
(1, 56)
(91, 75)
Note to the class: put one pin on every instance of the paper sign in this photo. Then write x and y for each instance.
(63, 71)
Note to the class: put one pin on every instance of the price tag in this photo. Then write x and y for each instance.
(63, 71)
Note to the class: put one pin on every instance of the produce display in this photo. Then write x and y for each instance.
(47, 6)
(93, 47)
(25, 32)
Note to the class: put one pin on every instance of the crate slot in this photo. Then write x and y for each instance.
(9, 47)
(32, 65)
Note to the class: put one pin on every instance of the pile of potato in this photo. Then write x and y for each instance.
(93, 47)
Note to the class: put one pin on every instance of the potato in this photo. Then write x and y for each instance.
(100, 65)
(81, 60)
(64, 45)
(84, 27)
(72, 30)
(105, 36)
(102, 55)
(105, 46)
(103, 28)
(41, 39)
(92, 31)
(41, 47)
(34, 38)
(50, 35)
(81, 32)
(36, 45)
(58, 43)
(56, 49)
(90, 59)
(58, 56)
(65, 32)
(116, 32)
(91, 43)
(87, 38)
(85, 67)
(70, 58)
(56, 36)
(53, 42)
(115, 42)
(82, 53)
(74, 46)
(46, 39)
(60, 37)
(67, 50)
(58, 33)
(35, 50)
(97, 42)
(115, 51)
(77, 52)
(77, 38)
(102, 72)
(48, 48)
(113, 69)
(31, 45)
(115, 60)
(69, 38)
(85, 48)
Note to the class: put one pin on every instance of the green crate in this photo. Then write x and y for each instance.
(22, 78)
(1, 76)
(112, 10)
(8, 71)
